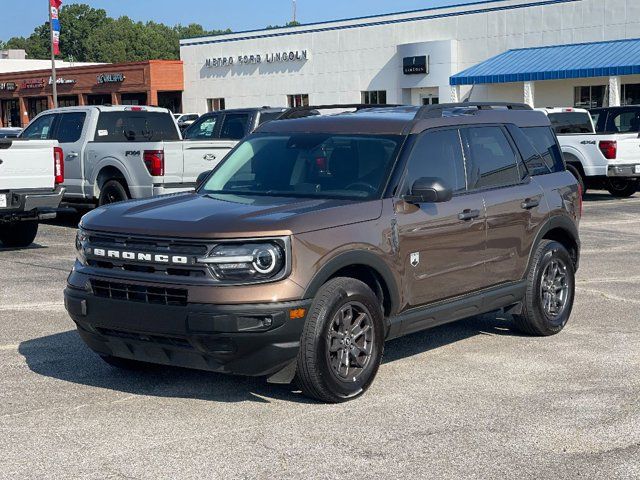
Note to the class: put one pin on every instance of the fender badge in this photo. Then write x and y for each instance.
(415, 259)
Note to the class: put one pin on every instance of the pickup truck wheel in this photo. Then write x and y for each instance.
(19, 234)
(576, 173)
(342, 342)
(112, 192)
(550, 291)
(622, 188)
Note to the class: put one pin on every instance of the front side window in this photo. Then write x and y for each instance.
(70, 127)
(202, 129)
(39, 129)
(439, 155)
(234, 126)
(307, 165)
(492, 163)
(135, 126)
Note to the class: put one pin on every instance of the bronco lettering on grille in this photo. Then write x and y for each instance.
(140, 257)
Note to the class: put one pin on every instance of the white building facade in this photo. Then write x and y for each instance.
(410, 57)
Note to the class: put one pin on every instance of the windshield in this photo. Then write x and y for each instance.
(307, 165)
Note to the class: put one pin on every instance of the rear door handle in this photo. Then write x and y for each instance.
(468, 214)
(530, 203)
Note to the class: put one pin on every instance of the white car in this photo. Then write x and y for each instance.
(608, 157)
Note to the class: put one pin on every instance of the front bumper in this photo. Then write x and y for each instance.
(624, 171)
(248, 339)
(32, 204)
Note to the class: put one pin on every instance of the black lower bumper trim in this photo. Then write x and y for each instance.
(251, 340)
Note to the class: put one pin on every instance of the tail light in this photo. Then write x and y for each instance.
(609, 149)
(58, 165)
(154, 160)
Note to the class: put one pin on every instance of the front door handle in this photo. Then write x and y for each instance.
(530, 203)
(209, 157)
(468, 214)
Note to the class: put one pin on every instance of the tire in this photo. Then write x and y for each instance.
(576, 173)
(535, 319)
(112, 192)
(322, 348)
(621, 188)
(18, 234)
(126, 363)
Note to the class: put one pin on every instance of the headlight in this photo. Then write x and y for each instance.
(81, 240)
(247, 261)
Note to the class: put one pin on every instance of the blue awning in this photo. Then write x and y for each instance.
(599, 59)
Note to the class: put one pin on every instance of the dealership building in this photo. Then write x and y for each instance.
(542, 52)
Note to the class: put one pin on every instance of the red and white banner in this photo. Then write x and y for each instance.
(54, 5)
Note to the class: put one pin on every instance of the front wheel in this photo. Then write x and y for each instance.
(622, 188)
(342, 342)
(550, 291)
(19, 234)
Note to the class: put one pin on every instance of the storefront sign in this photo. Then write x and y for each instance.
(277, 57)
(33, 83)
(111, 78)
(8, 86)
(415, 65)
(62, 81)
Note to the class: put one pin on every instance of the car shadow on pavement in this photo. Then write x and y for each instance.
(63, 356)
(33, 246)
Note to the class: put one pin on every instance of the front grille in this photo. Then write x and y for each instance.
(139, 293)
(138, 337)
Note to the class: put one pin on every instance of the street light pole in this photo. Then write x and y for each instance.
(54, 80)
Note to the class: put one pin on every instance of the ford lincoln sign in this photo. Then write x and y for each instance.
(278, 57)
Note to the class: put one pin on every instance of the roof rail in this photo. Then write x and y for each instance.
(311, 110)
(434, 111)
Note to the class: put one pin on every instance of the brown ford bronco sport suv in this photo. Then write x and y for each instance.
(319, 238)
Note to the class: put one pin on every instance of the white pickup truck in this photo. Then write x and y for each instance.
(31, 176)
(114, 153)
(603, 151)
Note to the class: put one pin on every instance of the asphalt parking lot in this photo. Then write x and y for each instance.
(473, 399)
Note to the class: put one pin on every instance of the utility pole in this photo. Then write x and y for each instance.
(54, 80)
(295, 11)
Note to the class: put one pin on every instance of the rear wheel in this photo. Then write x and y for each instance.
(342, 342)
(576, 173)
(622, 187)
(112, 192)
(19, 234)
(550, 291)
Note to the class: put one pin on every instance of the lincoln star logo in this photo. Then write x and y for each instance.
(139, 256)
(415, 259)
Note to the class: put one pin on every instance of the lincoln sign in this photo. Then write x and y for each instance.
(279, 57)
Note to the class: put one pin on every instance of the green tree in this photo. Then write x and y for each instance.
(78, 22)
(293, 23)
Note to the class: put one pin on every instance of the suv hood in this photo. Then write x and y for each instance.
(192, 215)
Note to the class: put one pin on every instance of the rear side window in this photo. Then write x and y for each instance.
(544, 142)
(134, 126)
(39, 129)
(234, 126)
(493, 162)
(567, 123)
(438, 154)
(70, 127)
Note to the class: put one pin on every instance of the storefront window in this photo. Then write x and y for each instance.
(11, 113)
(590, 97)
(68, 101)
(133, 99)
(375, 97)
(37, 105)
(215, 104)
(298, 100)
(631, 94)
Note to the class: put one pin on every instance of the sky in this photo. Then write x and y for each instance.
(213, 14)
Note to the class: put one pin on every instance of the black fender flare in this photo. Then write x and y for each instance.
(563, 222)
(356, 257)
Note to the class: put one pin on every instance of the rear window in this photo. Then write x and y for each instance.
(567, 123)
(550, 156)
(132, 126)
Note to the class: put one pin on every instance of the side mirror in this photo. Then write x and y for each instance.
(201, 178)
(429, 190)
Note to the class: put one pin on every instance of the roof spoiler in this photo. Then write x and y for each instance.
(434, 111)
(311, 110)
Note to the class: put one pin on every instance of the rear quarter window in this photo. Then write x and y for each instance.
(132, 126)
(549, 158)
